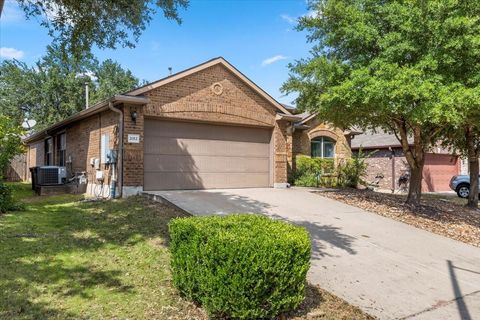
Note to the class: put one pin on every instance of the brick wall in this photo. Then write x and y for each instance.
(193, 97)
(382, 162)
(83, 142)
(281, 153)
(133, 152)
(36, 154)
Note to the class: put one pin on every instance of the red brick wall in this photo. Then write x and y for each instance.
(36, 154)
(83, 140)
(193, 97)
(380, 162)
(83, 143)
(133, 152)
(281, 152)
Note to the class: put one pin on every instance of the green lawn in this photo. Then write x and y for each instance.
(63, 258)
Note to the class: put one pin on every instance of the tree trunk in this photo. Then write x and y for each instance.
(415, 156)
(473, 154)
(415, 185)
(474, 171)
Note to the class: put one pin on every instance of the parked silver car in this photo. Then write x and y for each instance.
(461, 185)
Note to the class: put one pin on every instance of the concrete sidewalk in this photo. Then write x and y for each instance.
(389, 269)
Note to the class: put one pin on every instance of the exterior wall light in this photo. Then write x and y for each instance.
(134, 115)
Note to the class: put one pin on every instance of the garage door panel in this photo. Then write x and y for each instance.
(437, 172)
(205, 164)
(204, 147)
(182, 155)
(178, 180)
(188, 130)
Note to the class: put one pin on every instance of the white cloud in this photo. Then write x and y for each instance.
(11, 53)
(289, 19)
(273, 59)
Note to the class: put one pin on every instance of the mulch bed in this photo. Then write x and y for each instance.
(322, 305)
(440, 216)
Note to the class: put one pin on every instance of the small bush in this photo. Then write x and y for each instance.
(353, 171)
(240, 266)
(7, 202)
(314, 172)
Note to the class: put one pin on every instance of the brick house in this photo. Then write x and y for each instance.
(386, 157)
(205, 127)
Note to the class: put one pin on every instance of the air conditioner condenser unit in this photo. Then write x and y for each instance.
(51, 175)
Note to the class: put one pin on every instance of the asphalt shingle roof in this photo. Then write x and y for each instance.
(371, 139)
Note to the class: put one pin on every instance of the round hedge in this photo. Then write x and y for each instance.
(240, 266)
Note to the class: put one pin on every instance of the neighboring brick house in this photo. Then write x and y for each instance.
(386, 157)
(205, 127)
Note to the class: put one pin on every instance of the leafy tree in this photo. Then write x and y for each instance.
(54, 88)
(112, 79)
(17, 88)
(462, 106)
(76, 25)
(384, 64)
(10, 145)
(10, 142)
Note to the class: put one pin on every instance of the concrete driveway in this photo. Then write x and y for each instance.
(389, 269)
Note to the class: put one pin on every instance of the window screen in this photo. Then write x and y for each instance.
(61, 149)
(323, 147)
(48, 152)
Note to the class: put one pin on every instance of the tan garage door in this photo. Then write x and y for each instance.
(438, 170)
(183, 155)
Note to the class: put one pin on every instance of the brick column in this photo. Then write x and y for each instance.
(132, 152)
(282, 154)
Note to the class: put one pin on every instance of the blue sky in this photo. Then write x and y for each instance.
(255, 36)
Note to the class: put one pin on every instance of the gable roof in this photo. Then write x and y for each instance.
(216, 61)
(134, 96)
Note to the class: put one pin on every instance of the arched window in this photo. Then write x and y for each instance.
(323, 147)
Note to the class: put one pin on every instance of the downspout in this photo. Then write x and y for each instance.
(120, 148)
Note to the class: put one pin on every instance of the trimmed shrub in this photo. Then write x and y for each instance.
(240, 266)
(314, 172)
